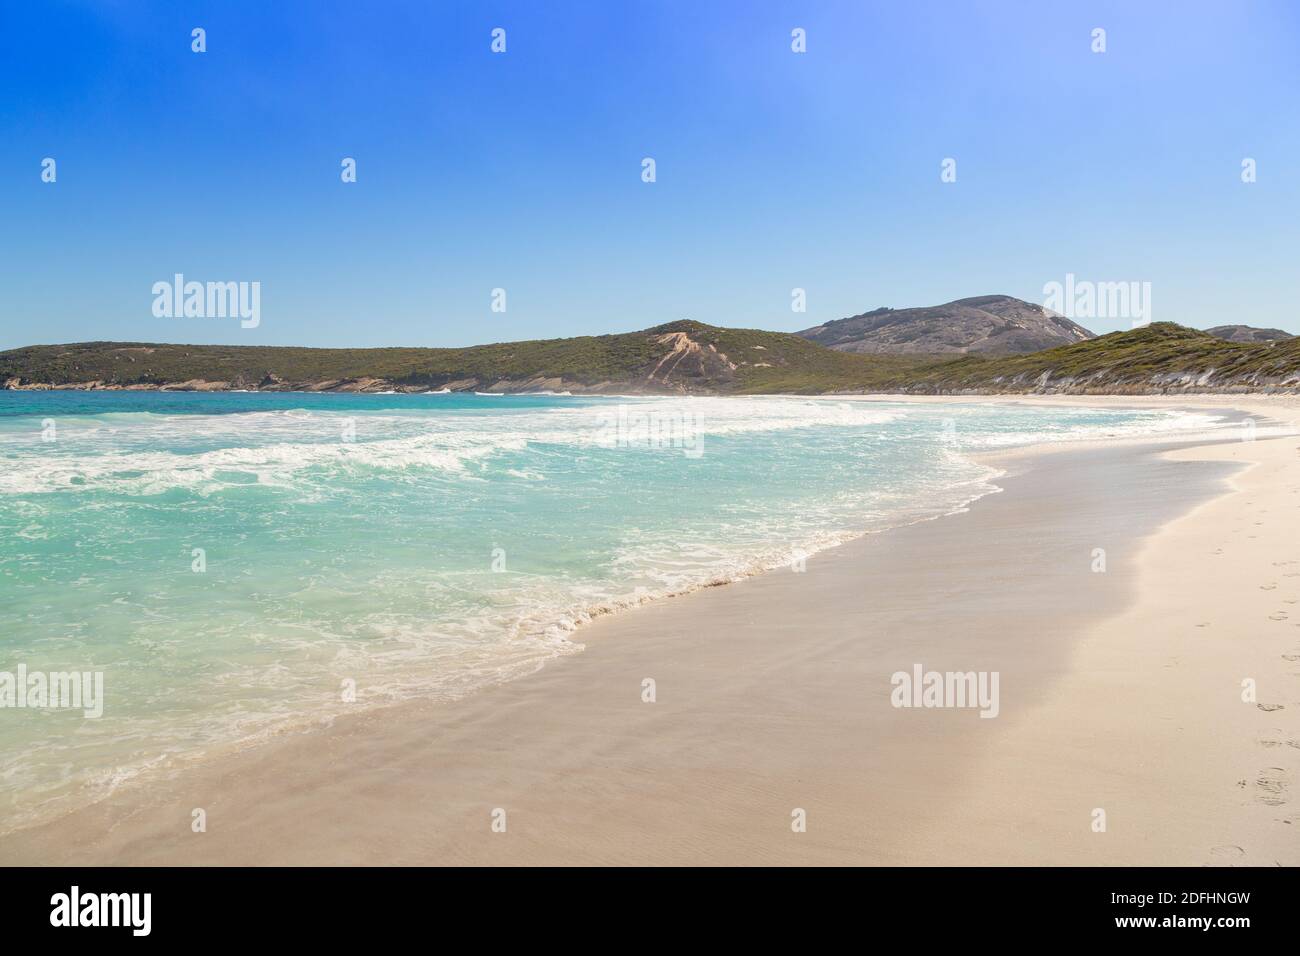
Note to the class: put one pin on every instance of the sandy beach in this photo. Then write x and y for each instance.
(1122, 592)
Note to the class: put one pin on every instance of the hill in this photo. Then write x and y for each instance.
(680, 357)
(1247, 333)
(1158, 358)
(993, 324)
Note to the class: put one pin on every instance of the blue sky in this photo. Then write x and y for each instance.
(522, 170)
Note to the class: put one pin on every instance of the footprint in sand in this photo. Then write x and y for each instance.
(1269, 708)
(1270, 786)
(1291, 657)
(1268, 587)
(1227, 851)
(1276, 738)
(1279, 616)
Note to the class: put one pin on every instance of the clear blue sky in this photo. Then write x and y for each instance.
(523, 170)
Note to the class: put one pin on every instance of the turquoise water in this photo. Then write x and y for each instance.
(407, 545)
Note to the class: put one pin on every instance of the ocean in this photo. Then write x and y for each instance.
(241, 564)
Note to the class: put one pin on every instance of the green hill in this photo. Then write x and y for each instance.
(1160, 357)
(680, 357)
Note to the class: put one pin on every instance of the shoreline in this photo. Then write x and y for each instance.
(574, 620)
(146, 828)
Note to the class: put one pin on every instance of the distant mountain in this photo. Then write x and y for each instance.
(1247, 333)
(988, 324)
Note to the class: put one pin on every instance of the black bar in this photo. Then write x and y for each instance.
(336, 907)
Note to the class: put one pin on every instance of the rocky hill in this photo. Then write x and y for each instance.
(1247, 333)
(990, 324)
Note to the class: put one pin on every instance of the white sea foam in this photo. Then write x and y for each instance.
(1163, 423)
(88, 456)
